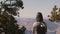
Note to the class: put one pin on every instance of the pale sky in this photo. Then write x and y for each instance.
(31, 7)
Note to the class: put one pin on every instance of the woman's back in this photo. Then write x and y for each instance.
(39, 26)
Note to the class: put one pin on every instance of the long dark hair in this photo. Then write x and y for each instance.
(43, 29)
(39, 17)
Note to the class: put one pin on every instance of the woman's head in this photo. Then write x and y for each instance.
(39, 17)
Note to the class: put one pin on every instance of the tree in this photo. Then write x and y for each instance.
(55, 15)
(58, 15)
(12, 8)
(8, 24)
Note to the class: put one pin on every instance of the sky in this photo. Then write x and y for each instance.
(32, 7)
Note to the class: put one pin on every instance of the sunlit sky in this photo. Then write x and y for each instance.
(31, 7)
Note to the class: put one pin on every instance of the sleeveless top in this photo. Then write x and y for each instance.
(42, 29)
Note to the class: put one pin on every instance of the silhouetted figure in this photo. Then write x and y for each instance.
(39, 26)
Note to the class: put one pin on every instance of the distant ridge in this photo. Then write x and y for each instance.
(53, 28)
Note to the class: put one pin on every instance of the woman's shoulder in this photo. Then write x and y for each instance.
(35, 23)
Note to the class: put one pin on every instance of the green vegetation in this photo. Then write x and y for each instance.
(55, 14)
(8, 24)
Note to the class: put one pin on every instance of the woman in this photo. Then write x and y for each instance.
(39, 26)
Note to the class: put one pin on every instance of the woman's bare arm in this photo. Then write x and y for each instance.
(33, 30)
